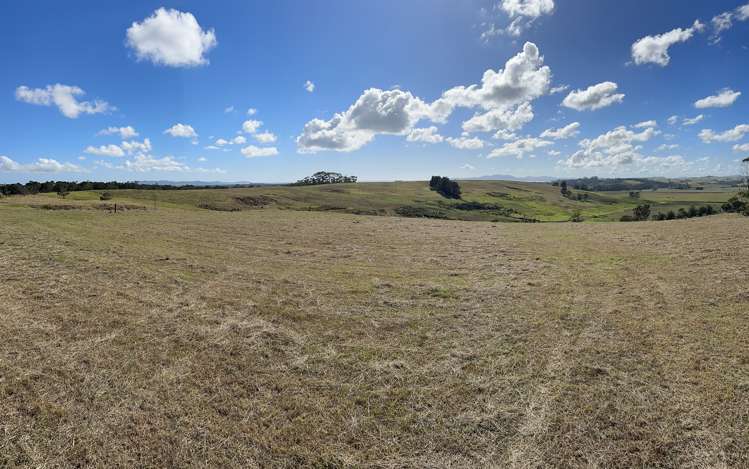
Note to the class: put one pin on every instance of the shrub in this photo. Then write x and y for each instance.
(105, 196)
(641, 212)
(735, 204)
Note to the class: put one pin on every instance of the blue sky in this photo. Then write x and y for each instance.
(570, 88)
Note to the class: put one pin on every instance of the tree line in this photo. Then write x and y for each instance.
(63, 187)
(643, 212)
(595, 184)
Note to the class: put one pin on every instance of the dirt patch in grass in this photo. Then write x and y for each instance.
(259, 201)
(107, 207)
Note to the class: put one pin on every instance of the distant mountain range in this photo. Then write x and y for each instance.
(508, 177)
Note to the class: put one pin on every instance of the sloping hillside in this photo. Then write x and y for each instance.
(482, 200)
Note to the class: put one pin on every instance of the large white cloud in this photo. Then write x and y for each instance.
(594, 97)
(519, 148)
(565, 132)
(64, 97)
(731, 135)
(504, 95)
(654, 49)
(41, 165)
(393, 112)
(523, 79)
(617, 148)
(724, 98)
(172, 38)
(182, 131)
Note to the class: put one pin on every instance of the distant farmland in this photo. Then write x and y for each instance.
(482, 200)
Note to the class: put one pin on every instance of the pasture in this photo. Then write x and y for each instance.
(500, 201)
(186, 337)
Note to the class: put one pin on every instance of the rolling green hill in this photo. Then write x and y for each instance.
(482, 200)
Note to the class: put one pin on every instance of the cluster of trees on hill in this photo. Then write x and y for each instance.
(595, 184)
(643, 212)
(325, 177)
(566, 192)
(63, 187)
(445, 187)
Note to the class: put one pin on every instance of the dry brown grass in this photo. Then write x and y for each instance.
(176, 338)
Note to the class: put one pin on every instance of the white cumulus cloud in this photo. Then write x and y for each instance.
(41, 165)
(105, 150)
(172, 38)
(309, 86)
(594, 97)
(64, 97)
(425, 135)
(134, 146)
(181, 131)
(522, 14)
(646, 124)
(145, 163)
(123, 132)
(617, 149)
(724, 98)
(654, 49)
(565, 132)
(266, 137)
(504, 96)
(251, 126)
(466, 143)
(519, 148)
(731, 135)
(500, 118)
(692, 121)
(256, 152)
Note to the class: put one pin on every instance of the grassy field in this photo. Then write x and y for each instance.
(180, 337)
(482, 200)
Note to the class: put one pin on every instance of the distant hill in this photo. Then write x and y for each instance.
(508, 177)
(200, 183)
(482, 200)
